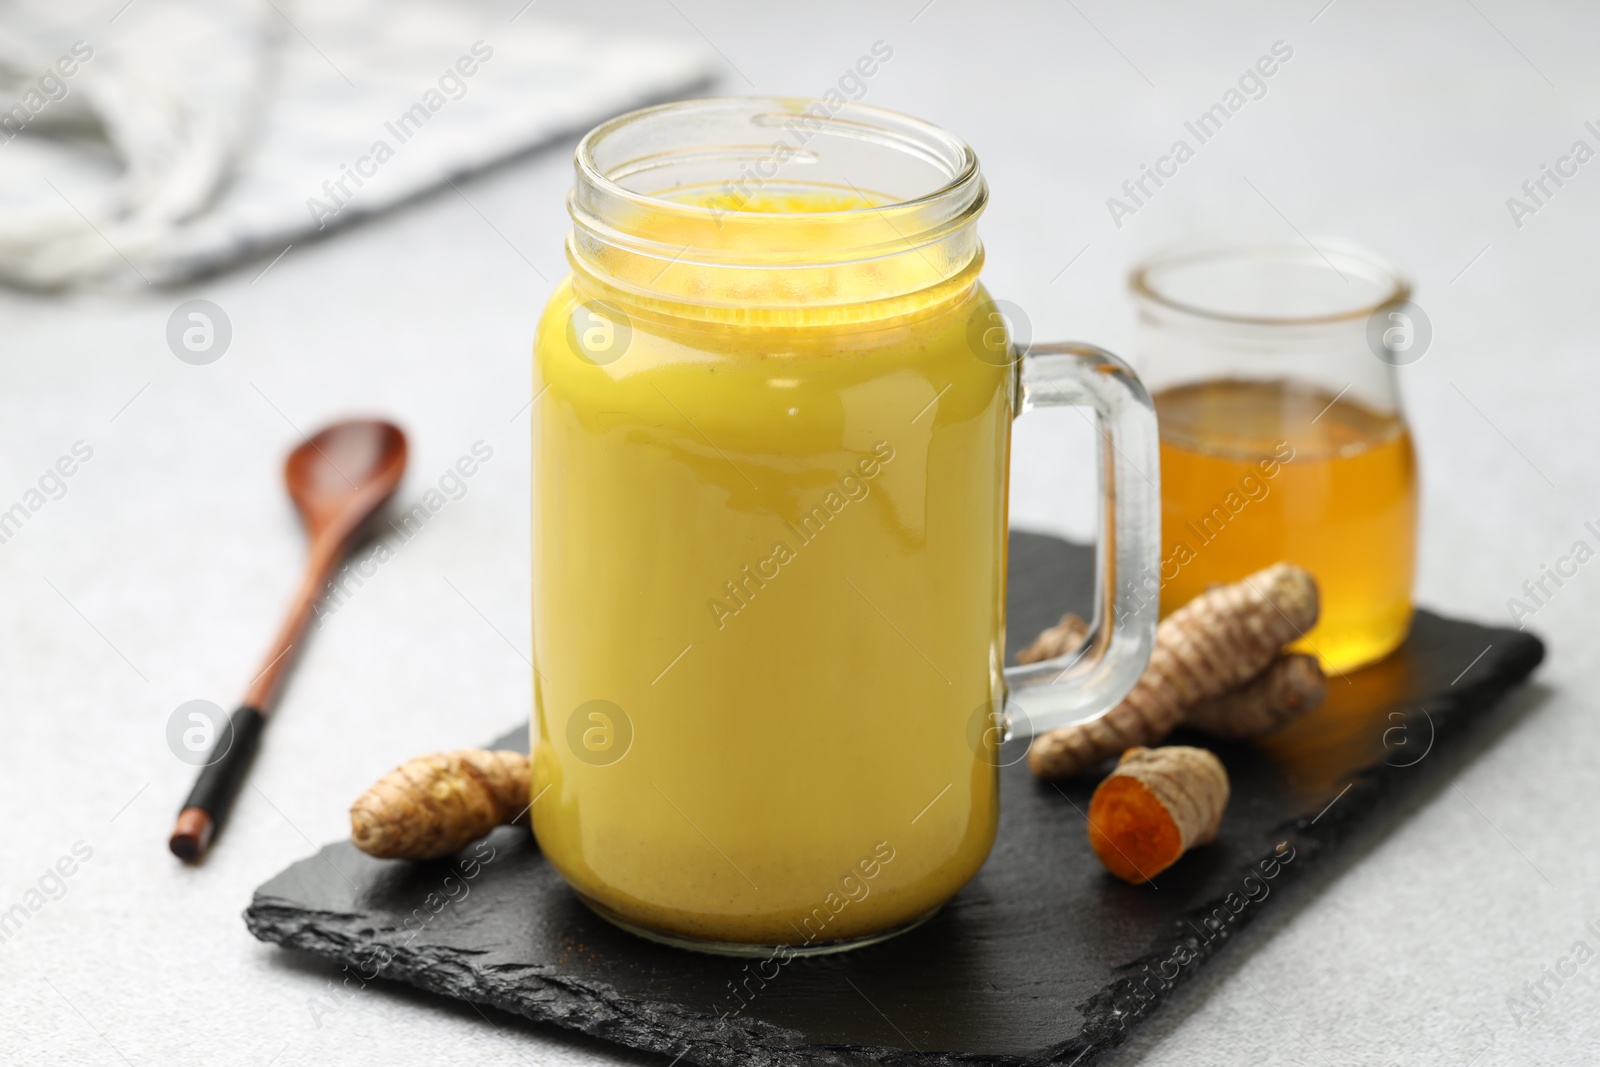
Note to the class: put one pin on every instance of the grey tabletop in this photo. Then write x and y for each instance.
(157, 573)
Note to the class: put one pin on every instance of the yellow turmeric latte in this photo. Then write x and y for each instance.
(768, 567)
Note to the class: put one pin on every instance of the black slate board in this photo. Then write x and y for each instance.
(1043, 958)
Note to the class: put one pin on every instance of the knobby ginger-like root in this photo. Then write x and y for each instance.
(1292, 685)
(1157, 804)
(1062, 638)
(437, 805)
(1216, 642)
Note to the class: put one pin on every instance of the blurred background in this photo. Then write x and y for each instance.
(175, 163)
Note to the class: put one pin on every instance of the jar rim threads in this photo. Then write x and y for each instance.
(831, 203)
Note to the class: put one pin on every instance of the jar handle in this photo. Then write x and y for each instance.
(1086, 683)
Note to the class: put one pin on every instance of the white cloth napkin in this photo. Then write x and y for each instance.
(164, 140)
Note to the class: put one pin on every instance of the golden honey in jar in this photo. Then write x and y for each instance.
(1281, 433)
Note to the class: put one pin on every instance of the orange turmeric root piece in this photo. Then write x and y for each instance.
(1218, 641)
(437, 805)
(1157, 804)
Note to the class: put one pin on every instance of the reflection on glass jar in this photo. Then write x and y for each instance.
(1281, 430)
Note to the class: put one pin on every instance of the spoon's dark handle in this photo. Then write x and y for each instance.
(217, 784)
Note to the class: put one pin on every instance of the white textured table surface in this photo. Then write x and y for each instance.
(159, 575)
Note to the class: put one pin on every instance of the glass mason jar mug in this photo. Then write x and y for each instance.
(1273, 372)
(771, 434)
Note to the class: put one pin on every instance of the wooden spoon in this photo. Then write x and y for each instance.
(338, 479)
